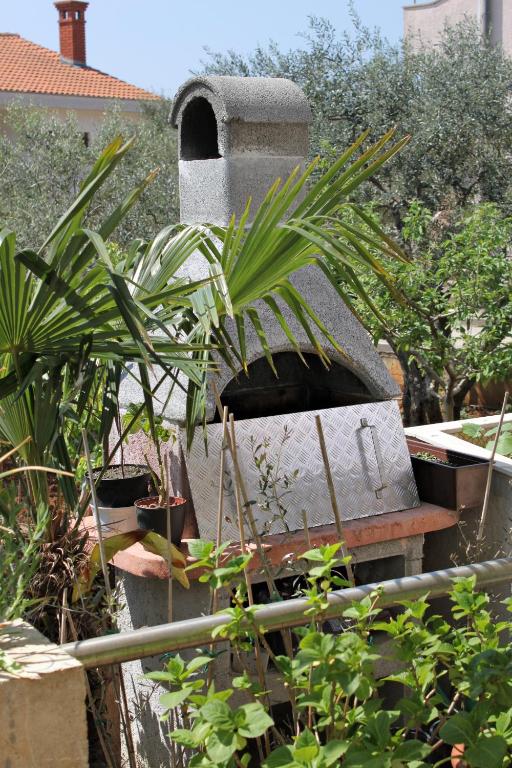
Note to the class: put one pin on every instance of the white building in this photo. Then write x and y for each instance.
(424, 22)
(62, 82)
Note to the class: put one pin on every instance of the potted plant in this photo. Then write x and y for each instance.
(151, 513)
(151, 510)
(120, 484)
(447, 478)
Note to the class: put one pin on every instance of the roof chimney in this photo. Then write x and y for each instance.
(72, 31)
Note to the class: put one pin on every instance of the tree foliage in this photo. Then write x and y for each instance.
(43, 160)
(460, 131)
(454, 101)
(456, 331)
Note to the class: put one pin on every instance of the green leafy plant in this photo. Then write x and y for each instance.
(20, 541)
(452, 332)
(486, 437)
(274, 485)
(426, 456)
(456, 676)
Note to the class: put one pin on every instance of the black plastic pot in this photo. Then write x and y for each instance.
(114, 490)
(460, 484)
(152, 517)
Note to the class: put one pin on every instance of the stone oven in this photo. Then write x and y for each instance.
(236, 135)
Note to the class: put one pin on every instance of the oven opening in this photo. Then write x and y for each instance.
(296, 388)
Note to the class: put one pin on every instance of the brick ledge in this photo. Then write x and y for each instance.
(358, 533)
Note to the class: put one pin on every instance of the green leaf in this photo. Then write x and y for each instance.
(185, 737)
(200, 549)
(282, 757)
(487, 752)
(306, 747)
(197, 663)
(458, 730)
(220, 745)
(175, 698)
(217, 713)
(411, 750)
(332, 751)
(256, 721)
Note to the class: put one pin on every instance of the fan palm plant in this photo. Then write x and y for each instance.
(251, 263)
(71, 321)
(65, 332)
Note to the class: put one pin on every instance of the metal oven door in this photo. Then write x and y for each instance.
(281, 463)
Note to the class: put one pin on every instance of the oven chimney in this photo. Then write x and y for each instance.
(237, 135)
(72, 31)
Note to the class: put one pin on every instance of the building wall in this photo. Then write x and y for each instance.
(506, 26)
(88, 112)
(425, 22)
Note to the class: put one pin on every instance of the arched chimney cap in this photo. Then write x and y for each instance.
(247, 99)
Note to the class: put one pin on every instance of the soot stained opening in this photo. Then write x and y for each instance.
(297, 387)
(199, 137)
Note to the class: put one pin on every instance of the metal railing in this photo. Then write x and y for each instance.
(191, 633)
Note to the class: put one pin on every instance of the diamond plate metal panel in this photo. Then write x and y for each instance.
(369, 460)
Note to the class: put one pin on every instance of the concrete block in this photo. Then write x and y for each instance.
(212, 190)
(42, 706)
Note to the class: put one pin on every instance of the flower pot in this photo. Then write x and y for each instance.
(456, 481)
(457, 755)
(118, 519)
(121, 485)
(152, 517)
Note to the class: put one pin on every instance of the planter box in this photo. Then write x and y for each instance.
(457, 485)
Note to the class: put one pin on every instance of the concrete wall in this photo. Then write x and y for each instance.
(42, 704)
(506, 35)
(425, 22)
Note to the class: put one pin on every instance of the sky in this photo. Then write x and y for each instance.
(156, 44)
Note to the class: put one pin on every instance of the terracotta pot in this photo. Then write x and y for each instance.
(152, 517)
(457, 755)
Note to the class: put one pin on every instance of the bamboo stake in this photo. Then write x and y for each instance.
(257, 650)
(487, 496)
(246, 505)
(63, 618)
(125, 715)
(332, 494)
(94, 498)
(169, 539)
(220, 506)
(257, 538)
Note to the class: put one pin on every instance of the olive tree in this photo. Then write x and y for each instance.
(43, 160)
(454, 101)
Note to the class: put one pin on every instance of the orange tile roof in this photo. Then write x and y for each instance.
(29, 68)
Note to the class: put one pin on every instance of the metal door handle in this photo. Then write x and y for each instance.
(378, 457)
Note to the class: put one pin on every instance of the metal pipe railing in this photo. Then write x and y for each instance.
(191, 633)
